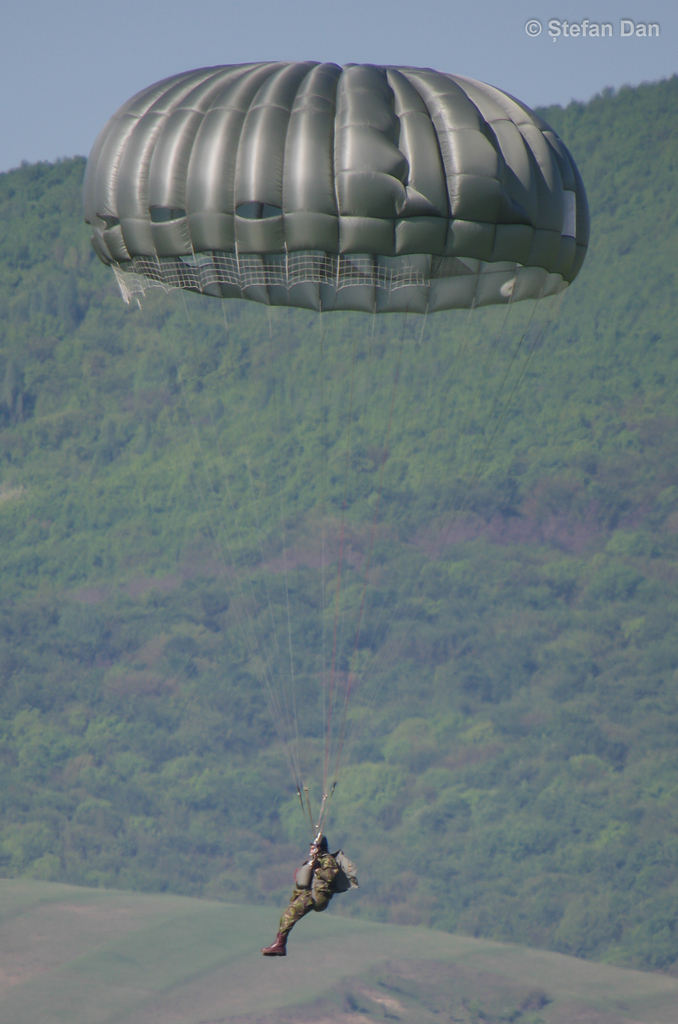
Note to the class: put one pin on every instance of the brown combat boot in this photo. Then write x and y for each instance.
(279, 947)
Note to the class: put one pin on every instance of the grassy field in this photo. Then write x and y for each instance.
(71, 955)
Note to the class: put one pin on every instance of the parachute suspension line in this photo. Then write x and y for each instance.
(302, 791)
(374, 680)
(256, 520)
(263, 557)
(289, 621)
(295, 719)
(325, 411)
(460, 352)
(324, 808)
(278, 713)
(369, 428)
(223, 465)
(296, 520)
(324, 421)
(456, 359)
(472, 456)
(303, 807)
(345, 626)
(259, 660)
(264, 681)
(347, 732)
(215, 502)
(346, 579)
(341, 553)
(374, 685)
(476, 448)
(241, 543)
(253, 499)
(323, 485)
(369, 432)
(366, 578)
(510, 366)
(424, 321)
(259, 536)
(310, 812)
(369, 681)
(291, 716)
(384, 441)
(467, 334)
(382, 609)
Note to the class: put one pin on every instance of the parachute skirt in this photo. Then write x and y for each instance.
(324, 281)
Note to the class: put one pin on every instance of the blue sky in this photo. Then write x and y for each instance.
(66, 66)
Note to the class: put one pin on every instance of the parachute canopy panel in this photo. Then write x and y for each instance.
(363, 187)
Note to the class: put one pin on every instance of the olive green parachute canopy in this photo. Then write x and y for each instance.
(363, 187)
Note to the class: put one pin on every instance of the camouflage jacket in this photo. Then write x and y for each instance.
(326, 870)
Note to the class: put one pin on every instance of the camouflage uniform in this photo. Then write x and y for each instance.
(316, 898)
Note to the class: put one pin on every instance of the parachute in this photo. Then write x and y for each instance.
(341, 191)
(362, 188)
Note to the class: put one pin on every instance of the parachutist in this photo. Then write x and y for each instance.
(321, 877)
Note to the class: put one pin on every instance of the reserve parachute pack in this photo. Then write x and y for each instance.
(346, 879)
(303, 876)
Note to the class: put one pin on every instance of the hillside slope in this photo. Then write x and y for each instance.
(97, 957)
(516, 778)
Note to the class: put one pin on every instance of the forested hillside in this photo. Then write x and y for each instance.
(516, 776)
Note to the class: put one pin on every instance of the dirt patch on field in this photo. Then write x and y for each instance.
(570, 1013)
(7, 492)
(141, 586)
(145, 684)
(90, 595)
(556, 531)
(419, 992)
(429, 992)
(18, 973)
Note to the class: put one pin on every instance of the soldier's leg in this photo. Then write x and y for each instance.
(301, 903)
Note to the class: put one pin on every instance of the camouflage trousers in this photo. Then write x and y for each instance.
(301, 903)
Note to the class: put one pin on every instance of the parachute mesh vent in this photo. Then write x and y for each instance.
(317, 280)
(205, 270)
